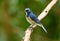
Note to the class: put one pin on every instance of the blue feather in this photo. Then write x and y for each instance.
(34, 18)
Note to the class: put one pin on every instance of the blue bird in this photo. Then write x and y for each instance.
(32, 19)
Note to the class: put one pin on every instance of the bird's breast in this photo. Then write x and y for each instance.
(30, 20)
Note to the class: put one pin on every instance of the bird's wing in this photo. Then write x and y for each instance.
(34, 18)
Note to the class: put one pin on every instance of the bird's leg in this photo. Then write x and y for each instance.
(32, 26)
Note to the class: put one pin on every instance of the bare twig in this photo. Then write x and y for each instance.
(40, 17)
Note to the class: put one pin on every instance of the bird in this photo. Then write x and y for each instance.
(32, 19)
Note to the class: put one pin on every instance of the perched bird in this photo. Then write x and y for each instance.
(32, 18)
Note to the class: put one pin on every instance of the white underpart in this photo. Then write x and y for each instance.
(30, 20)
(26, 13)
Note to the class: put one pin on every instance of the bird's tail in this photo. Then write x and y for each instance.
(43, 27)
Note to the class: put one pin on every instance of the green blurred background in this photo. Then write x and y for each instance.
(13, 23)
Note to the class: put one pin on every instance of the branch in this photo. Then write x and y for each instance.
(40, 17)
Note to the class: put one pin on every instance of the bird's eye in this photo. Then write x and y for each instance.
(27, 10)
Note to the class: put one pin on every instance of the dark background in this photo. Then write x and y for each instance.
(13, 22)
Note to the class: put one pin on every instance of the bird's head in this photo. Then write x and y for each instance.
(27, 10)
